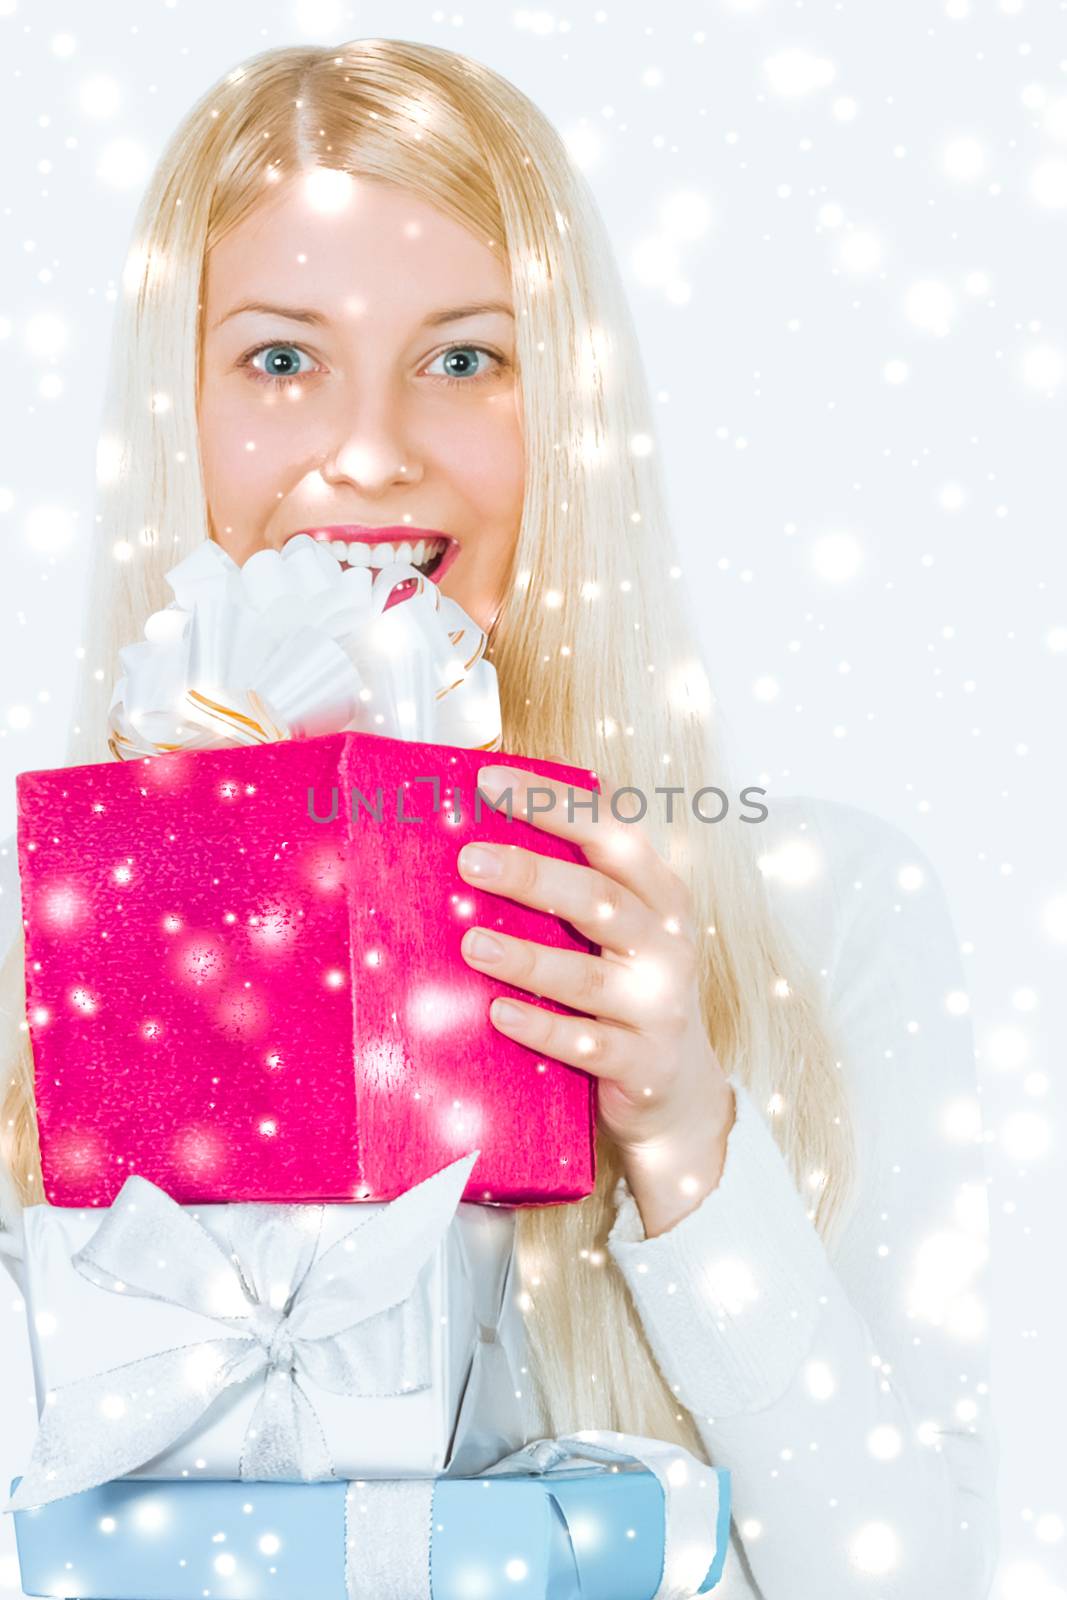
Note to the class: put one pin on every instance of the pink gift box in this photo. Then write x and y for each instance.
(240, 1000)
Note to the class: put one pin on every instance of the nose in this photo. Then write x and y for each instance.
(370, 450)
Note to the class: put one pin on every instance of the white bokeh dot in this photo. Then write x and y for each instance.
(686, 215)
(860, 251)
(1043, 368)
(1048, 184)
(884, 1442)
(837, 557)
(795, 71)
(1026, 1136)
(875, 1549)
(123, 164)
(819, 1380)
(964, 159)
(930, 306)
(100, 97)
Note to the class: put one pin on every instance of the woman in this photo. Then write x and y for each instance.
(370, 298)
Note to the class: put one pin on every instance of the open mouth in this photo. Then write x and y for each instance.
(431, 555)
(433, 565)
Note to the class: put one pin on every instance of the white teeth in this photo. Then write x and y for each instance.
(381, 555)
(359, 555)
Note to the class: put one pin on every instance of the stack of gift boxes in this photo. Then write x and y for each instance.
(273, 1292)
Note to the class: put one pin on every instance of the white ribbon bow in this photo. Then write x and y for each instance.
(348, 1322)
(291, 645)
(389, 1557)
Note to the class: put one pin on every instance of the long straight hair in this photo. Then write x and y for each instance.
(594, 650)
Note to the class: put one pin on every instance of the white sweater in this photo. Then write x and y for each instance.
(848, 1397)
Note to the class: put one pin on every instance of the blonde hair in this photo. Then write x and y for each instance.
(603, 673)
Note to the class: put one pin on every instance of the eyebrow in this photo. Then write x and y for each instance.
(301, 314)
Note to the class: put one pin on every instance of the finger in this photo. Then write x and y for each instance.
(601, 908)
(635, 995)
(621, 850)
(599, 1048)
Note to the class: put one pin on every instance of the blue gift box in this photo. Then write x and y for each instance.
(576, 1534)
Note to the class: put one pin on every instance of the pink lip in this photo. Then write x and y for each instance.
(403, 533)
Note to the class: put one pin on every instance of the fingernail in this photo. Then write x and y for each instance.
(493, 781)
(478, 861)
(510, 1015)
(482, 946)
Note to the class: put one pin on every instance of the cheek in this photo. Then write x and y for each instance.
(484, 458)
(251, 446)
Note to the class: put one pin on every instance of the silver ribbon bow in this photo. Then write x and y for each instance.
(349, 1322)
(291, 645)
(389, 1557)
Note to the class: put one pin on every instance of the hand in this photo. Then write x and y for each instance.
(663, 1096)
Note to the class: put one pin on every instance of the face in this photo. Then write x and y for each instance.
(358, 383)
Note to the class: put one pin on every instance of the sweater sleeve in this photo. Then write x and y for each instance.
(848, 1397)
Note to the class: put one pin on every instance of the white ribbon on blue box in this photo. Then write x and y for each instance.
(592, 1516)
(265, 1341)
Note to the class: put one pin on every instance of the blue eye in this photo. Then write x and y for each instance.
(464, 363)
(281, 361)
(461, 363)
